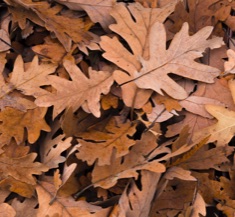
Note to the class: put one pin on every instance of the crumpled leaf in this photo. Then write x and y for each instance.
(130, 29)
(14, 123)
(80, 92)
(177, 59)
(114, 140)
(127, 166)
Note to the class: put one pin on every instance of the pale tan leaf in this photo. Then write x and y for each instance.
(135, 32)
(6, 210)
(80, 92)
(195, 123)
(198, 208)
(178, 59)
(51, 151)
(217, 93)
(229, 66)
(223, 130)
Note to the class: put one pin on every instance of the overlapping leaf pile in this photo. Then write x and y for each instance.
(117, 108)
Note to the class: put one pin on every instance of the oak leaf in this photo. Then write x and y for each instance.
(64, 206)
(98, 11)
(207, 159)
(126, 167)
(178, 59)
(51, 151)
(25, 208)
(217, 93)
(14, 123)
(115, 138)
(130, 29)
(81, 91)
(131, 203)
(26, 80)
(29, 80)
(223, 130)
(58, 24)
(22, 168)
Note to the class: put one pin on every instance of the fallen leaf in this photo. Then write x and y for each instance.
(51, 151)
(223, 130)
(115, 52)
(22, 168)
(98, 11)
(7, 210)
(115, 140)
(65, 207)
(25, 208)
(14, 123)
(177, 59)
(80, 92)
(131, 203)
(127, 166)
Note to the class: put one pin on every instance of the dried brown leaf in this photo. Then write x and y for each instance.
(127, 166)
(81, 91)
(130, 29)
(178, 59)
(14, 123)
(114, 142)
